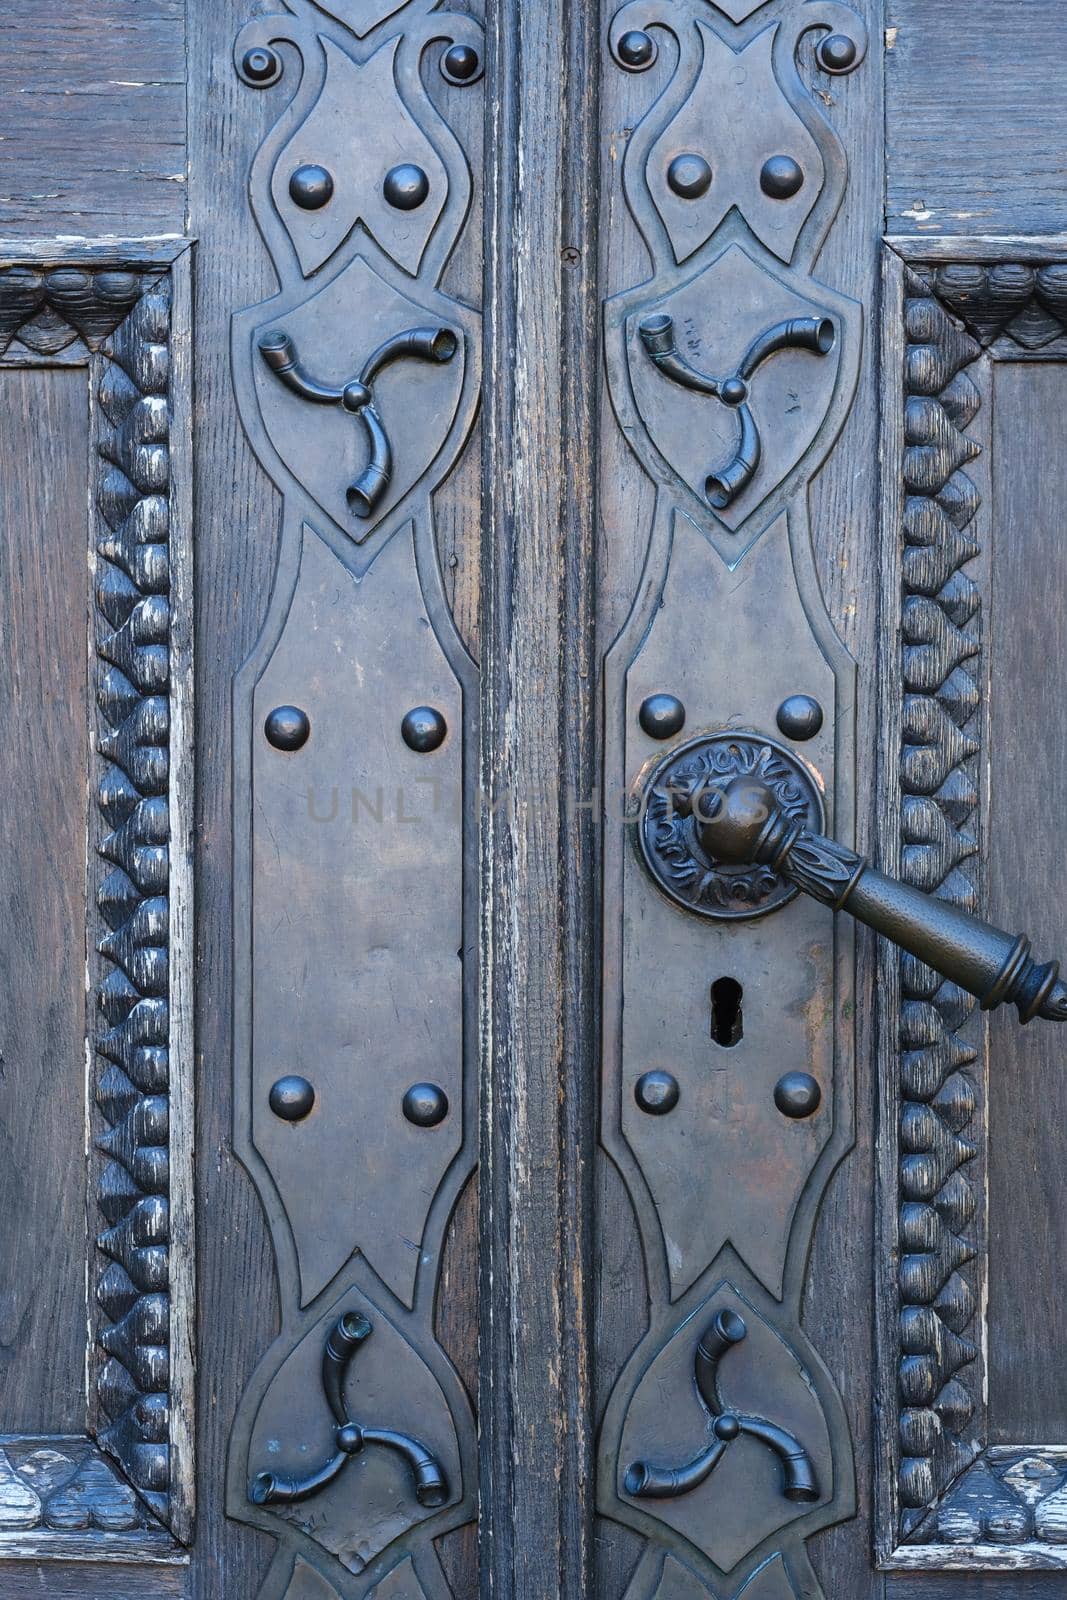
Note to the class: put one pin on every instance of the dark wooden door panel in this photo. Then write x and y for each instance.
(976, 124)
(44, 442)
(94, 123)
(1028, 767)
(549, 541)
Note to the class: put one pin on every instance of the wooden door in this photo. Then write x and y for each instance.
(451, 460)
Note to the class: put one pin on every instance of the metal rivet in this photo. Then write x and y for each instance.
(287, 728)
(797, 1094)
(637, 50)
(836, 53)
(733, 391)
(425, 1104)
(355, 395)
(461, 64)
(656, 1093)
(406, 186)
(260, 67)
(781, 177)
(311, 187)
(423, 729)
(800, 716)
(292, 1098)
(727, 1426)
(349, 1438)
(662, 716)
(689, 176)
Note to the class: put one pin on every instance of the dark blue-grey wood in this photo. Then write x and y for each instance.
(976, 124)
(537, 710)
(44, 443)
(94, 138)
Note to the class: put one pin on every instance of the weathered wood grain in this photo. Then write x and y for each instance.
(847, 526)
(976, 116)
(44, 447)
(237, 529)
(94, 118)
(538, 981)
(88, 1580)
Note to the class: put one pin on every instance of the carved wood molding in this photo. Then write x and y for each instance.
(1014, 301)
(947, 1500)
(127, 319)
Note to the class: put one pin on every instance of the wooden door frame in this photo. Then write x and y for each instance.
(539, 696)
(139, 1134)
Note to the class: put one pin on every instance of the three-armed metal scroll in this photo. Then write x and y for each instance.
(741, 821)
(345, 1338)
(799, 1480)
(815, 334)
(357, 397)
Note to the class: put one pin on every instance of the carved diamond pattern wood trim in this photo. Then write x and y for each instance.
(954, 1502)
(941, 620)
(126, 320)
(1026, 305)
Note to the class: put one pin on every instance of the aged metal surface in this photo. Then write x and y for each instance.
(356, 732)
(731, 369)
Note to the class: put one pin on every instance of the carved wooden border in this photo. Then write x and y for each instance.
(125, 1491)
(944, 1498)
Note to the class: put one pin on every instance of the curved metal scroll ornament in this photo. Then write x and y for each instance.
(731, 370)
(428, 1477)
(358, 687)
(799, 1479)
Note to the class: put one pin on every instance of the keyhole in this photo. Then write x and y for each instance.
(727, 1017)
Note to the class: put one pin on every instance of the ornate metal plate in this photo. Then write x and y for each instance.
(356, 739)
(727, 1097)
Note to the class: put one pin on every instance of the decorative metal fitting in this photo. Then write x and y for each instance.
(357, 397)
(815, 334)
(679, 794)
(799, 1482)
(461, 65)
(431, 1486)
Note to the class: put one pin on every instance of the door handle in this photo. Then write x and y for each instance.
(741, 822)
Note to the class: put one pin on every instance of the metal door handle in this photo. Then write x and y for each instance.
(741, 822)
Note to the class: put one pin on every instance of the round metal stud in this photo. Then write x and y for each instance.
(662, 716)
(636, 50)
(287, 728)
(461, 64)
(311, 187)
(727, 1426)
(423, 729)
(260, 67)
(800, 716)
(657, 1093)
(292, 1098)
(425, 1105)
(781, 177)
(689, 176)
(355, 396)
(797, 1094)
(836, 53)
(349, 1438)
(406, 186)
(733, 391)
